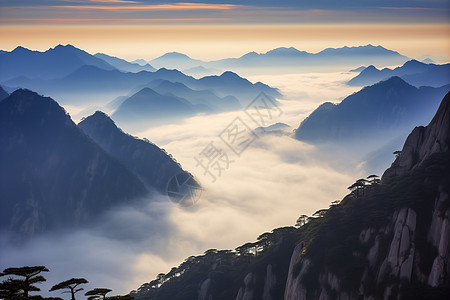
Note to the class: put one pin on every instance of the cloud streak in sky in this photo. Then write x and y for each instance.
(208, 11)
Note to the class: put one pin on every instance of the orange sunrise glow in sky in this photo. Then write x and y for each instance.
(218, 29)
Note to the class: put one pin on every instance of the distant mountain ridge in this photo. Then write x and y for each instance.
(414, 72)
(150, 107)
(386, 106)
(53, 63)
(291, 57)
(124, 65)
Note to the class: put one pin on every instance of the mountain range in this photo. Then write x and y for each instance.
(414, 72)
(56, 174)
(289, 58)
(96, 79)
(123, 65)
(53, 63)
(386, 239)
(386, 107)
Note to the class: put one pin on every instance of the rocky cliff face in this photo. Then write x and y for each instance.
(388, 241)
(423, 142)
(400, 249)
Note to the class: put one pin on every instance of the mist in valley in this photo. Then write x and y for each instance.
(274, 180)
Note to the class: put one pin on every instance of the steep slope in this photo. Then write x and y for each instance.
(151, 164)
(3, 94)
(392, 240)
(388, 240)
(423, 142)
(147, 106)
(123, 65)
(197, 97)
(413, 72)
(53, 63)
(388, 106)
(52, 174)
(230, 83)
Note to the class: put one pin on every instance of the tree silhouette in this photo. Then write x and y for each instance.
(320, 213)
(374, 179)
(97, 293)
(301, 221)
(397, 153)
(71, 285)
(21, 287)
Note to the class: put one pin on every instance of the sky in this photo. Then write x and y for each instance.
(218, 29)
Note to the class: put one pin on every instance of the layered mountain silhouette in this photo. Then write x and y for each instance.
(414, 72)
(388, 106)
(123, 65)
(150, 107)
(290, 58)
(153, 166)
(90, 83)
(175, 60)
(53, 63)
(384, 240)
(206, 98)
(54, 175)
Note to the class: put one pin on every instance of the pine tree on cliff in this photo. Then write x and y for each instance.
(15, 287)
(70, 285)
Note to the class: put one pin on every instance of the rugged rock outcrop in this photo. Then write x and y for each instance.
(401, 247)
(390, 241)
(423, 141)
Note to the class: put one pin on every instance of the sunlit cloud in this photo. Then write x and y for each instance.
(107, 20)
(156, 7)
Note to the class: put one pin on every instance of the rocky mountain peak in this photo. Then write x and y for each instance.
(423, 142)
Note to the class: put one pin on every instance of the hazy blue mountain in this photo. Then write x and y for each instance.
(414, 72)
(386, 106)
(123, 65)
(200, 71)
(291, 58)
(52, 174)
(358, 70)
(140, 61)
(3, 93)
(276, 129)
(367, 50)
(88, 83)
(151, 164)
(53, 63)
(196, 97)
(284, 58)
(428, 61)
(175, 60)
(230, 83)
(149, 107)
(380, 239)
